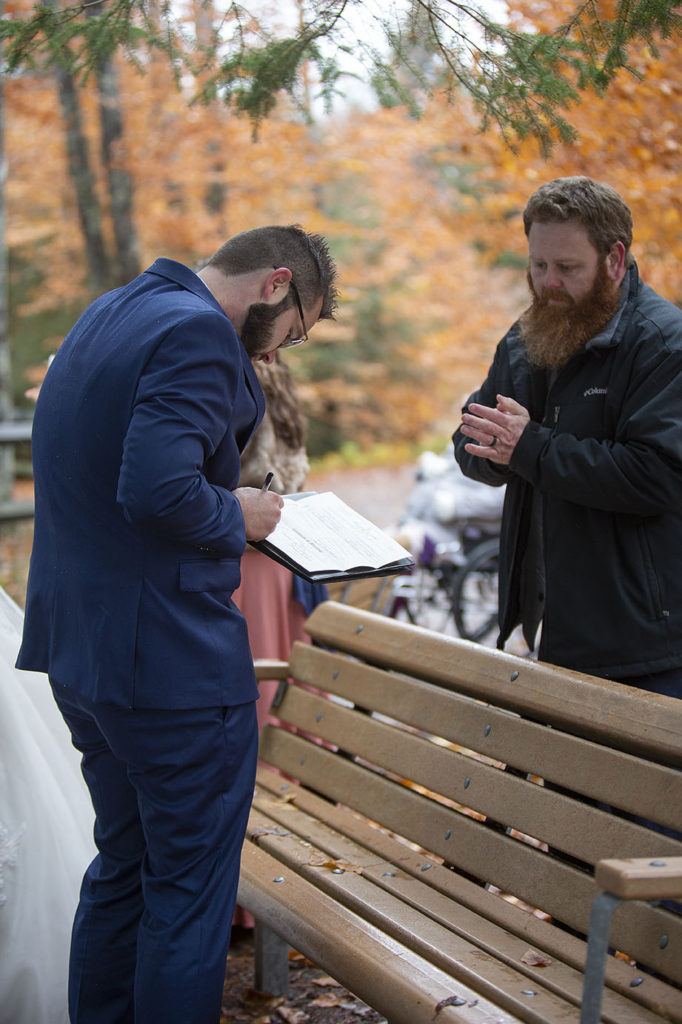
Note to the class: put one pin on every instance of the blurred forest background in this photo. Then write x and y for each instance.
(422, 209)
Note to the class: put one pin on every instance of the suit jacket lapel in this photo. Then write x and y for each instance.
(186, 278)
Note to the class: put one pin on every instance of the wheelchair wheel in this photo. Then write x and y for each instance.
(474, 592)
(425, 598)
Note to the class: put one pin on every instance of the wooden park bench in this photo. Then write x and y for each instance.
(428, 818)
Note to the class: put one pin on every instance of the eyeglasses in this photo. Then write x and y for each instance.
(296, 341)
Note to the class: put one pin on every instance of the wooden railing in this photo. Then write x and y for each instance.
(14, 432)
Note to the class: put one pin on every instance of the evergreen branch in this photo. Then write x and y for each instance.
(526, 81)
(252, 76)
(522, 80)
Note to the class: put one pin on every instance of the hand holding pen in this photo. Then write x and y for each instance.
(261, 508)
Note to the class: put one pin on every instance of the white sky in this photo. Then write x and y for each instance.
(365, 23)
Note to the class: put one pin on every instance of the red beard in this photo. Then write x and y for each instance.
(553, 332)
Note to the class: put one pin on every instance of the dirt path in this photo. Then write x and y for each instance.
(313, 997)
(379, 492)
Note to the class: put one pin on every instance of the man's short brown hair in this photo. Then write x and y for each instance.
(598, 207)
(306, 255)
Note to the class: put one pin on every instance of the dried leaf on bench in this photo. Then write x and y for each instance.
(278, 804)
(450, 1001)
(258, 833)
(535, 959)
(346, 865)
(321, 860)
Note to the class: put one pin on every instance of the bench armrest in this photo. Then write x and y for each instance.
(637, 878)
(271, 668)
(641, 878)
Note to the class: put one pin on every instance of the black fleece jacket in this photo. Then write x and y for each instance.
(604, 451)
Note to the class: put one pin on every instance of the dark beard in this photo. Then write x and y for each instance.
(256, 334)
(552, 334)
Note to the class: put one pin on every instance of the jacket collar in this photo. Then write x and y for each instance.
(186, 278)
(613, 331)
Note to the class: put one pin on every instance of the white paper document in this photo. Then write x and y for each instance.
(323, 536)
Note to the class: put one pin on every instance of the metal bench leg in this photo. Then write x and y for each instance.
(595, 962)
(271, 961)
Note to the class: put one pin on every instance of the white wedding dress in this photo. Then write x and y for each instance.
(46, 821)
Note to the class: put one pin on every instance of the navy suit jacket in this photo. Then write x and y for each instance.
(137, 434)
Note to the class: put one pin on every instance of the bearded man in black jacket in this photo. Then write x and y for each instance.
(581, 417)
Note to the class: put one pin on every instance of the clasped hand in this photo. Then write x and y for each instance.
(495, 431)
(262, 511)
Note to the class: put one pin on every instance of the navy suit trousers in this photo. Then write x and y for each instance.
(171, 792)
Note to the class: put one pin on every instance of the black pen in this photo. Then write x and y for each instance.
(268, 480)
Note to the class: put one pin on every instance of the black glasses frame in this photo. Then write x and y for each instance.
(299, 306)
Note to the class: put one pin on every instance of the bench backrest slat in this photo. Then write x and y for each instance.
(574, 827)
(640, 787)
(597, 709)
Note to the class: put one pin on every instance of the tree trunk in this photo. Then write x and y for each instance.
(6, 451)
(216, 189)
(89, 212)
(119, 180)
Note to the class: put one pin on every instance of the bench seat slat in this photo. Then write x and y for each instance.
(360, 956)
(617, 778)
(499, 982)
(296, 838)
(575, 827)
(287, 803)
(597, 709)
(515, 867)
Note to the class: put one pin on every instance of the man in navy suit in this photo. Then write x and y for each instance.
(139, 530)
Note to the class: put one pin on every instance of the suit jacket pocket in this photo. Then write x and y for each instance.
(210, 574)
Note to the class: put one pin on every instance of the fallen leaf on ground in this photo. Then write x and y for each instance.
(292, 1016)
(327, 1001)
(298, 958)
(326, 982)
(252, 995)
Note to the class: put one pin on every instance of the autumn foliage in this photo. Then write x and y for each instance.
(423, 215)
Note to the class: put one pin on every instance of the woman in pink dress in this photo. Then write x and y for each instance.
(274, 602)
